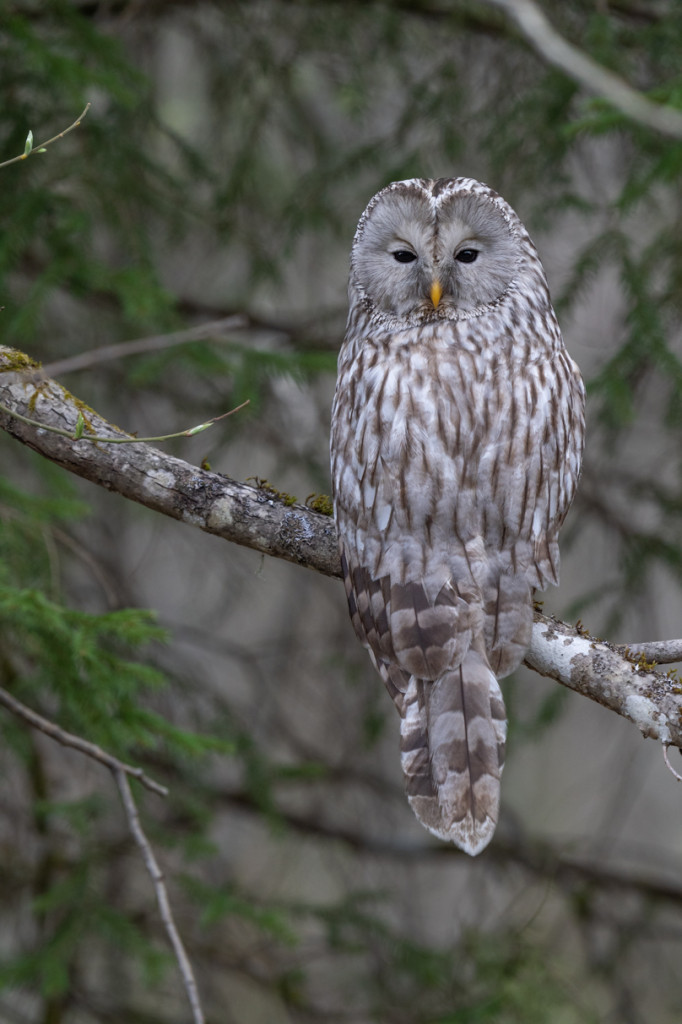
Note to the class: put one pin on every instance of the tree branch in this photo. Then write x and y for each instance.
(67, 739)
(42, 146)
(155, 343)
(256, 518)
(651, 701)
(121, 772)
(554, 49)
(156, 875)
(227, 508)
(663, 652)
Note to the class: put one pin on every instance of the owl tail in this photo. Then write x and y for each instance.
(452, 750)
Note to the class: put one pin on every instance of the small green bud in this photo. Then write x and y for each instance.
(197, 430)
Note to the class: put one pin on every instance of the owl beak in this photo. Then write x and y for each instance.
(435, 293)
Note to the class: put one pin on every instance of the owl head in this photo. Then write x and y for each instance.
(438, 249)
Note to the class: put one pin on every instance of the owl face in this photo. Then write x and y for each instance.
(435, 249)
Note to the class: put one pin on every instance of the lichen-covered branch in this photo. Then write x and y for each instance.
(663, 652)
(616, 678)
(232, 510)
(623, 683)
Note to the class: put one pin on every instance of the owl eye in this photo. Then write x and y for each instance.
(404, 256)
(467, 255)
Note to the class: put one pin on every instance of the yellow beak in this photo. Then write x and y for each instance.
(435, 293)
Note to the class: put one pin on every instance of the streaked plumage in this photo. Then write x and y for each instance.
(457, 436)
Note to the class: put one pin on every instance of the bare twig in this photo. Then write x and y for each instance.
(553, 48)
(156, 876)
(663, 652)
(557, 864)
(668, 764)
(121, 771)
(154, 343)
(79, 432)
(68, 739)
(30, 148)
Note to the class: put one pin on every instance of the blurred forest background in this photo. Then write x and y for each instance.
(228, 153)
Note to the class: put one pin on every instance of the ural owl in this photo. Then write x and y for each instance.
(457, 437)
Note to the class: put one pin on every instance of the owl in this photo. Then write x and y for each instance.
(456, 444)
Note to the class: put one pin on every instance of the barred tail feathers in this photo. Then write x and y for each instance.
(452, 750)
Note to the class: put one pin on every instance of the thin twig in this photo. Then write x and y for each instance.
(553, 48)
(67, 739)
(121, 771)
(79, 433)
(667, 761)
(156, 876)
(43, 145)
(663, 652)
(155, 343)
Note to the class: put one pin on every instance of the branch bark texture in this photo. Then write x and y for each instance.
(255, 518)
(227, 508)
(650, 700)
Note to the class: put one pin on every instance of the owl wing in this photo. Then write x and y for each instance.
(453, 726)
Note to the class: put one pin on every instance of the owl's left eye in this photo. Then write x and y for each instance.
(404, 256)
(466, 255)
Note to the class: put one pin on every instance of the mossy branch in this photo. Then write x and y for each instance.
(258, 518)
(244, 514)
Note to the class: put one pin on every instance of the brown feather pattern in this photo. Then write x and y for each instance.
(457, 436)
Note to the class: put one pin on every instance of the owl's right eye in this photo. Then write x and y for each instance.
(404, 256)
(467, 255)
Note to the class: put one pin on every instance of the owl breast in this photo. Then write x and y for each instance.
(450, 439)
